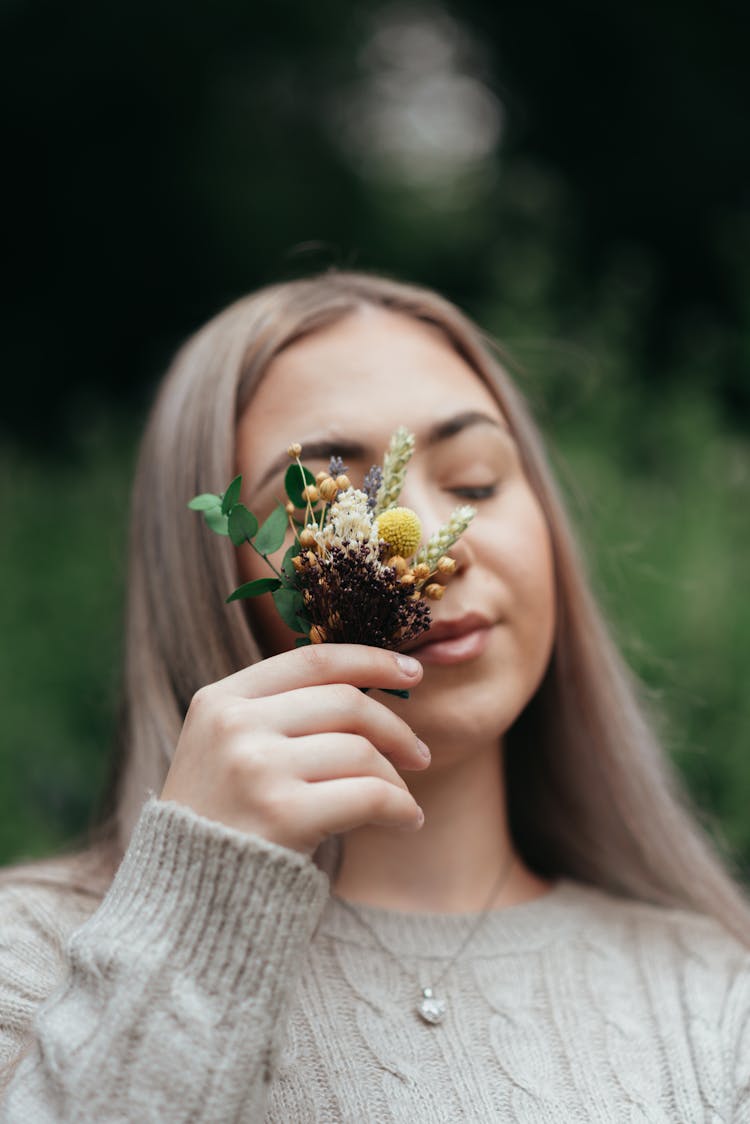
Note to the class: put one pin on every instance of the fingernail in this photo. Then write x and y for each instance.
(408, 665)
(423, 749)
(420, 818)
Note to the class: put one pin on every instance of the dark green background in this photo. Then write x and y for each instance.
(163, 159)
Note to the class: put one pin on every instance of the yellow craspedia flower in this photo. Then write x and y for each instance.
(400, 527)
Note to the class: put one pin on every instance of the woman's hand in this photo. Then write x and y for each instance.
(290, 749)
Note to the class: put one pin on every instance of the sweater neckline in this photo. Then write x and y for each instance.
(527, 925)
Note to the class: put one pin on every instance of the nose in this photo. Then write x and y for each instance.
(463, 553)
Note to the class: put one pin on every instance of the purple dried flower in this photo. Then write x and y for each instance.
(336, 467)
(371, 485)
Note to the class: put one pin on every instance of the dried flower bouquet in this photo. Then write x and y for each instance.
(355, 572)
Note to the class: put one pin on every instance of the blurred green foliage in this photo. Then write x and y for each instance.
(579, 189)
(62, 569)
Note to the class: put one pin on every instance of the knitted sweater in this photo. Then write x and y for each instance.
(219, 980)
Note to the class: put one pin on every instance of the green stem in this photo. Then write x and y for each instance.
(266, 559)
(276, 572)
(386, 691)
(308, 506)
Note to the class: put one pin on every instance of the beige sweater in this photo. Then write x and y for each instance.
(219, 980)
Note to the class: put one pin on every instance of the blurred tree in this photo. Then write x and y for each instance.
(643, 111)
(165, 158)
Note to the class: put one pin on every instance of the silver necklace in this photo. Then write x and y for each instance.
(430, 1007)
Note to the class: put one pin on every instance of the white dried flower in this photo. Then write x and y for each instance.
(349, 521)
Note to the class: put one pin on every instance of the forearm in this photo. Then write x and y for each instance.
(173, 1006)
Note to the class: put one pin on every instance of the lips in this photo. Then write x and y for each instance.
(448, 630)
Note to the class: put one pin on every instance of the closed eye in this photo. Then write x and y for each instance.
(480, 493)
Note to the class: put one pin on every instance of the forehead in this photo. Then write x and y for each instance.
(364, 376)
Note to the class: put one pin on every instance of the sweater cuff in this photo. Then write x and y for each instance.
(229, 908)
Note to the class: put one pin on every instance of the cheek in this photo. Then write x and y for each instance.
(526, 551)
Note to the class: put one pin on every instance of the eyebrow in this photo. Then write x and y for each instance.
(355, 450)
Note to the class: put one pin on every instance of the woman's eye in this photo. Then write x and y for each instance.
(485, 492)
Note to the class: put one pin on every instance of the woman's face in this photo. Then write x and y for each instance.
(345, 389)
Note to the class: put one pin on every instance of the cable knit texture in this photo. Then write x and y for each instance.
(219, 980)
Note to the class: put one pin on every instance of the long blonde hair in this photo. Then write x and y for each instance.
(591, 793)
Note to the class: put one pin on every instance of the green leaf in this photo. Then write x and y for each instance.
(231, 495)
(293, 483)
(288, 603)
(273, 532)
(286, 566)
(204, 501)
(302, 641)
(254, 588)
(243, 525)
(216, 521)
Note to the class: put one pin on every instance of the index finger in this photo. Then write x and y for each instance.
(358, 664)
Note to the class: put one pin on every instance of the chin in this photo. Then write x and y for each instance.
(461, 707)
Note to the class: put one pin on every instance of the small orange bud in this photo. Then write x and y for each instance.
(312, 559)
(434, 591)
(446, 564)
(343, 482)
(298, 563)
(416, 595)
(317, 634)
(421, 571)
(310, 493)
(397, 563)
(307, 537)
(407, 578)
(322, 475)
(290, 508)
(294, 450)
(328, 489)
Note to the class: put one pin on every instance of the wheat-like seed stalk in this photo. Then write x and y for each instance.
(395, 461)
(445, 536)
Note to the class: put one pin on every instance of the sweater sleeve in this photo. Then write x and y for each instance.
(175, 991)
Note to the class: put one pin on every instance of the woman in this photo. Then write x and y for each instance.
(550, 937)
